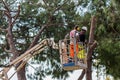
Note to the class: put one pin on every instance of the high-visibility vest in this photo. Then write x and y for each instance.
(81, 52)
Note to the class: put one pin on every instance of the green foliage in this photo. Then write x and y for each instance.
(60, 16)
(59, 22)
(107, 34)
(109, 54)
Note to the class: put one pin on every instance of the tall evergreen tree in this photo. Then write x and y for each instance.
(22, 27)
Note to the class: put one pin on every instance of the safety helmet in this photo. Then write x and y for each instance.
(84, 28)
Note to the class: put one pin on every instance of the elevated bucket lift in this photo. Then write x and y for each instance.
(79, 59)
(68, 63)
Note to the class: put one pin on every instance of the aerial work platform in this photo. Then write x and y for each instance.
(79, 60)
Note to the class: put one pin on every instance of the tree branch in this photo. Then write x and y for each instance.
(37, 37)
(7, 14)
(82, 75)
(34, 42)
(92, 47)
(59, 6)
(9, 36)
(5, 30)
(18, 12)
(6, 6)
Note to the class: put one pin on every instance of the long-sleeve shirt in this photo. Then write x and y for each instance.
(73, 36)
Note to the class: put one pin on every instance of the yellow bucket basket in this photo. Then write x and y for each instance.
(81, 52)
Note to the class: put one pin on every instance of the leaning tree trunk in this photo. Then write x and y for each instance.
(91, 46)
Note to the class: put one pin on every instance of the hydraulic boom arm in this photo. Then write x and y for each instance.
(26, 56)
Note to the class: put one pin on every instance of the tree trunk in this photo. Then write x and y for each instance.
(10, 38)
(21, 74)
(91, 47)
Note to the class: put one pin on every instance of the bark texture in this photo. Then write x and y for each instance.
(91, 46)
(10, 38)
